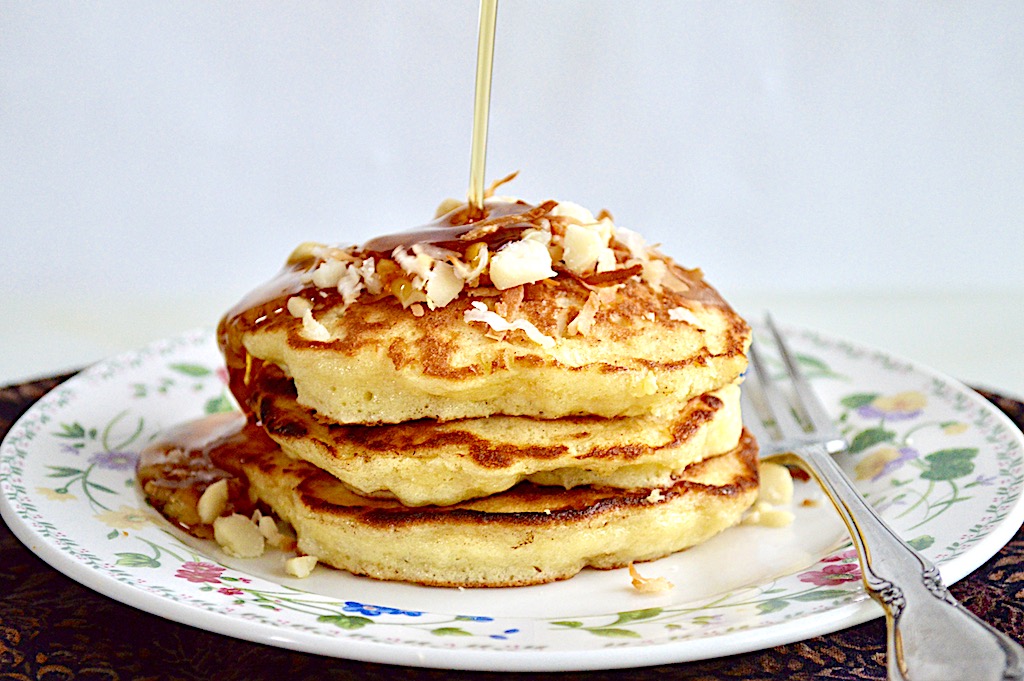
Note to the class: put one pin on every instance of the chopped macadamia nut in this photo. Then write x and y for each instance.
(213, 502)
(573, 211)
(776, 484)
(606, 260)
(314, 330)
(300, 566)
(777, 517)
(776, 489)
(299, 306)
(521, 262)
(648, 585)
(443, 285)
(268, 528)
(238, 536)
(583, 245)
(447, 206)
(655, 496)
(328, 273)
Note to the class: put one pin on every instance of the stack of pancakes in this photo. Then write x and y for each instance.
(494, 400)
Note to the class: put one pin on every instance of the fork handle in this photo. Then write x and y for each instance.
(930, 634)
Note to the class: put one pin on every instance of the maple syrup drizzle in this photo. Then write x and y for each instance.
(482, 105)
(175, 470)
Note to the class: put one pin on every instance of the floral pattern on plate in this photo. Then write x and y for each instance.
(943, 467)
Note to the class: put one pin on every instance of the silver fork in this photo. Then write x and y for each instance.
(930, 635)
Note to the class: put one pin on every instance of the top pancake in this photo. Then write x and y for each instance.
(386, 341)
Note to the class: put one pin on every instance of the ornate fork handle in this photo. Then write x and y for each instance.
(930, 633)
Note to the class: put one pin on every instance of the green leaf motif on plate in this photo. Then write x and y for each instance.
(858, 400)
(921, 543)
(821, 595)
(137, 560)
(450, 631)
(345, 621)
(71, 430)
(196, 370)
(949, 464)
(870, 437)
(218, 405)
(772, 605)
(612, 632)
(637, 615)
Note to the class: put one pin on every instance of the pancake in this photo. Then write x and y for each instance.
(427, 462)
(527, 535)
(374, 334)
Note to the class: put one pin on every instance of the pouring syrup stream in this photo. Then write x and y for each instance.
(481, 107)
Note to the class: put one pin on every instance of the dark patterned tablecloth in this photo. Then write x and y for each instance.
(53, 629)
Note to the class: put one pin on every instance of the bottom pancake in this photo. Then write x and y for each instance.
(527, 535)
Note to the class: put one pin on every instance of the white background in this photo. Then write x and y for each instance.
(857, 167)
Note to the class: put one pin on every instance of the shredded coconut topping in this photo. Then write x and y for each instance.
(539, 242)
(648, 585)
(681, 314)
(478, 312)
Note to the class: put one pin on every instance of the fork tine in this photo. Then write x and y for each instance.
(786, 423)
(808, 401)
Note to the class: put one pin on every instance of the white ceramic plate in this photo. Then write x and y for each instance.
(944, 467)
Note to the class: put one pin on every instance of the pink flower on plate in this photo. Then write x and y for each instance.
(831, 575)
(230, 591)
(199, 573)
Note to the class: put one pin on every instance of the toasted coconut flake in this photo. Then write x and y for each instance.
(350, 285)
(368, 272)
(616, 276)
(415, 264)
(681, 314)
(489, 192)
(478, 312)
(582, 323)
(508, 306)
(648, 585)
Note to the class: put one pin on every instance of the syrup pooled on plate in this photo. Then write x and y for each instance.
(177, 469)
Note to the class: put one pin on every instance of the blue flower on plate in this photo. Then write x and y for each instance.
(503, 636)
(377, 610)
(117, 461)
